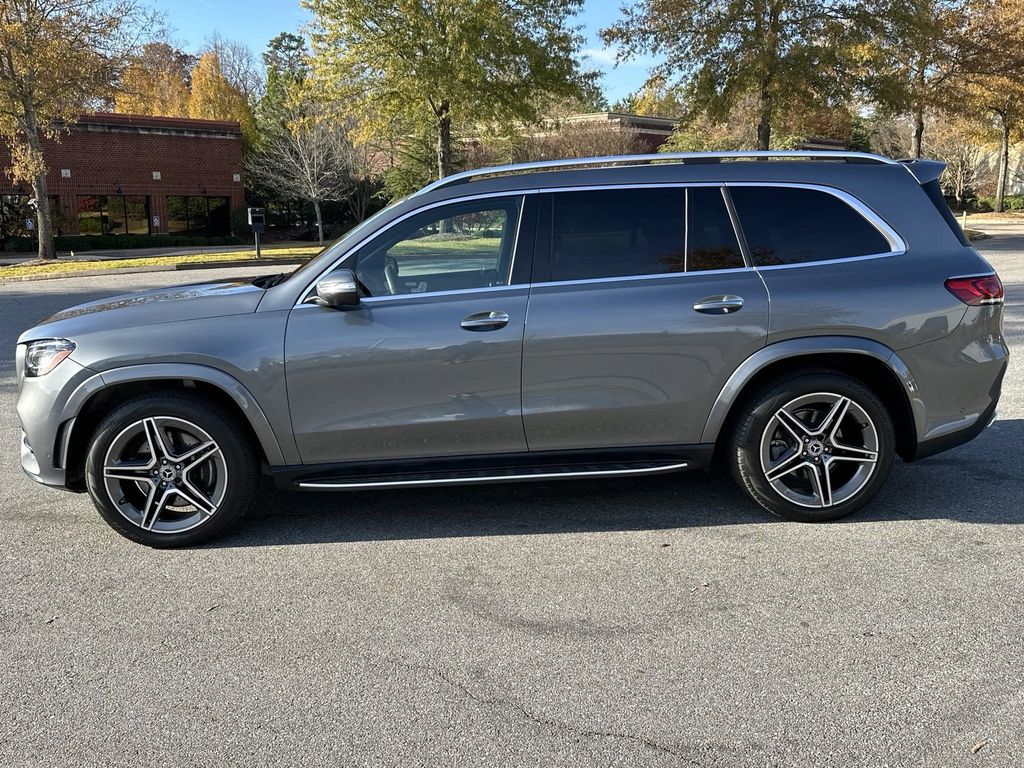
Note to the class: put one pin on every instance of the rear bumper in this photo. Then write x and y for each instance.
(936, 445)
(956, 381)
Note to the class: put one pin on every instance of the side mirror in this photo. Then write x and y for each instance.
(339, 290)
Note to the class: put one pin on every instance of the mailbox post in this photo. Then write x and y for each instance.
(257, 220)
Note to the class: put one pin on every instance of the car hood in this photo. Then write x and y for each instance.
(161, 305)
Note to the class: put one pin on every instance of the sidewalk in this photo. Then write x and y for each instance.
(7, 259)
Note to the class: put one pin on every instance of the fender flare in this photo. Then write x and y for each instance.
(226, 383)
(812, 345)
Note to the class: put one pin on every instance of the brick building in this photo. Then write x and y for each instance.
(113, 174)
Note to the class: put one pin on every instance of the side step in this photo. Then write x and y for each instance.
(501, 475)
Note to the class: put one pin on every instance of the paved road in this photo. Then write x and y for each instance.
(663, 622)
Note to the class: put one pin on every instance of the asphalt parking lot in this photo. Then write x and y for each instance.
(655, 622)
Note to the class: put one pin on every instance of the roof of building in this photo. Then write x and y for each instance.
(187, 126)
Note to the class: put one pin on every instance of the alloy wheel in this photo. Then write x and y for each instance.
(165, 474)
(819, 450)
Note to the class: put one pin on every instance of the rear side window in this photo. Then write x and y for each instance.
(785, 225)
(617, 233)
(710, 238)
(934, 192)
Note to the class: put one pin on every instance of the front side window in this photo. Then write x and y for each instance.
(457, 247)
(787, 225)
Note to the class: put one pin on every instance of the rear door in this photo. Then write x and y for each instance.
(639, 313)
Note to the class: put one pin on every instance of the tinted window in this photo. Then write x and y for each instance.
(616, 233)
(711, 239)
(790, 226)
(457, 247)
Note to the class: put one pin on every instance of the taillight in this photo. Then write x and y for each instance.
(976, 290)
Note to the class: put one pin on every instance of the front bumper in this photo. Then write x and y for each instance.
(46, 426)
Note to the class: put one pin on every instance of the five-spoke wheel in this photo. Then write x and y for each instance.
(815, 446)
(170, 469)
(165, 474)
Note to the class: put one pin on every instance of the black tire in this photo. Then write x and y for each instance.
(752, 447)
(230, 473)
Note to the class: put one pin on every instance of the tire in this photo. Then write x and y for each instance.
(805, 456)
(195, 485)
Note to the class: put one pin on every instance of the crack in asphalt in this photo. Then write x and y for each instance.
(519, 708)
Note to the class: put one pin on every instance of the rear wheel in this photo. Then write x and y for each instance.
(170, 470)
(813, 446)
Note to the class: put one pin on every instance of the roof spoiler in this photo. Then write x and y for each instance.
(925, 170)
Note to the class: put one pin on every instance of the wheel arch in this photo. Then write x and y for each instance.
(96, 396)
(868, 361)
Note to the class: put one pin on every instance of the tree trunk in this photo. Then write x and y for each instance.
(444, 140)
(915, 149)
(319, 221)
(44, 218)
(1004, 161)
(764, 124)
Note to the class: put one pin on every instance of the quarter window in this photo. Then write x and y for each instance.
(458, 247)
(785, 225)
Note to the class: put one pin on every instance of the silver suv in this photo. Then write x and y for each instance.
(806, 317)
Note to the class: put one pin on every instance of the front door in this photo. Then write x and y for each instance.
(430, 362)
(643, 310)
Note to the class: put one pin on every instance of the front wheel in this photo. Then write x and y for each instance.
(813, 446)
(170, 470)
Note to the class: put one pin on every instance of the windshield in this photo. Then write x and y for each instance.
(334, 250)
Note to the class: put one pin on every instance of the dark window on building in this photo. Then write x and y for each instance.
(617, 233)
(196, 215)
(791, 226)
(710, 238)
(113, 214)
(136, 208)
(14, 212)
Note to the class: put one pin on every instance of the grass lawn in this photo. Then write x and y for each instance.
(66, 267)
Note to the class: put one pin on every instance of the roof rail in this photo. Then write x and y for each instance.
(682, 157)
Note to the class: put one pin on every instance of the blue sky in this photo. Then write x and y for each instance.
(256, 21)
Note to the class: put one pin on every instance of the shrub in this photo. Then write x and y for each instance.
(215, 241)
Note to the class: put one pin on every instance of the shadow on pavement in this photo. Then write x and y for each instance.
(976, 483)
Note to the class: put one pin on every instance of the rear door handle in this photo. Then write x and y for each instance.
(719, 305)
(485, 321)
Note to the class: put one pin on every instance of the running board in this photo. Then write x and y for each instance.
(488, 476)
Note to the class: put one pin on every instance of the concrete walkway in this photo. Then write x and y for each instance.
(142, 253)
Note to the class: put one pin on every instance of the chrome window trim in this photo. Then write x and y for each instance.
(895, 241)
(662, 275)
(306, 291)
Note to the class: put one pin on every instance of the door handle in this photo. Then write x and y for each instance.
(719, 305)
(485, 321)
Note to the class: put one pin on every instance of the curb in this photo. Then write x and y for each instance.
(153, 268)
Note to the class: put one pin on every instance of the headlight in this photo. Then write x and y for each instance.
(43, 356)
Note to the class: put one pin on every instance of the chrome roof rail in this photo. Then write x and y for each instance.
(683, 157)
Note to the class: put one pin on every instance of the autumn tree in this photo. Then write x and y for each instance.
(786, 54)
(657, 98)
(994, 86)
(310, 159)
(442, 63)
(214, 98)
(238, 65)
(156, 82)
(56, 58)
